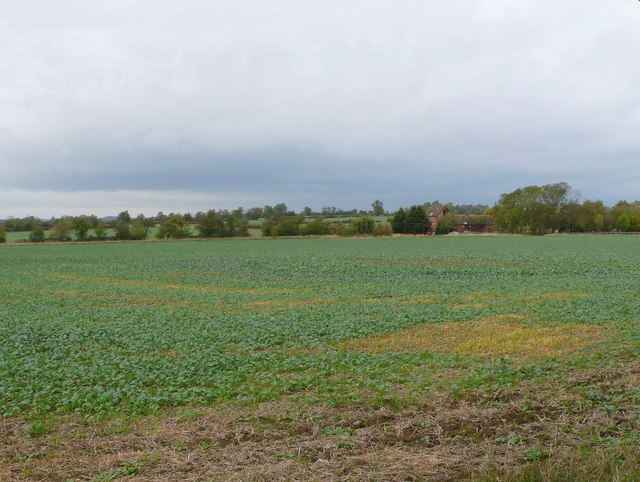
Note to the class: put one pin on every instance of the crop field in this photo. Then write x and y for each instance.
(412, 358)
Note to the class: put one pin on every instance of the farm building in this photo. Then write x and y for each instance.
(475, 223)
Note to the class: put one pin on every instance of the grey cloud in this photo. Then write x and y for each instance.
(333, 100)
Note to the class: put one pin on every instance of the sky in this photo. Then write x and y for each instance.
(153, 105)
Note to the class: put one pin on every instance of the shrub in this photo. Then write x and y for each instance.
(123, 230)
(382, 230)
(416, 221)
(338, 229)
(362, 226)
(287, 227)
(37, 234)
(448, 223)
(398, 221)
(317, 227)
(175, 227)
(60, 230)
(3, 235)
(101, 230)
(139, 230)
(81, 226)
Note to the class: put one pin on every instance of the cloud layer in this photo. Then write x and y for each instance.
(314, 103)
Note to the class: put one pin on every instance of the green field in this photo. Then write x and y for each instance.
(459, 357)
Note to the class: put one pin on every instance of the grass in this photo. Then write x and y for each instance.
(472, 357)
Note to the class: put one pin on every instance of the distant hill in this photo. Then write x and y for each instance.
(109, 218)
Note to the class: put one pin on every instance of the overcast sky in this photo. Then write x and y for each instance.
(191, 105)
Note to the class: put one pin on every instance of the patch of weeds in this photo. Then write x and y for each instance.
(204, 446)
(512, 438)
(345, 444)
(126, 469)
(286, 454)
(536, 453)
(190, 415)
(340, 431)
(27, 458)
(39, 428)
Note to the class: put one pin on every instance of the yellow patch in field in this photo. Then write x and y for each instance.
(495, 336)
(207, 288)
(283, 304)
(425, 262)
(461, 306)
(548, 295)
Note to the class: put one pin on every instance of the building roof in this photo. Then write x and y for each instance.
(435, 211)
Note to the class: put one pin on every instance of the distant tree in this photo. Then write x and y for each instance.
(378, 208)
(623, 222)
(307, 211)
(3, 235)
(470, 208)
(123, 230)
(254, 213)
(416, 221)
(139, 230)
(329, 211)
(148, 222)
(101, 230)
(280, 209)
(267, 211)
(593, 215)
(37, 234)
(60, 230)
(175, 227)
(211, 225)
(532, 209)
(267, 227)
(398, 221)
(243, 227)
(124, 216)
(81, 226)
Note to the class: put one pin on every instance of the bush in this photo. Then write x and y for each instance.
(3, 235)
(448, 223)
(175, 227)
(101, 230)
(382, 230)
(282, 226)
(398, 221)
(317, 227)
(123, 230)
(362, 226)
(338, 229)
(287, 227)
(60, 230)
(81, 226)
(139, 230)
(37, 234)
(416, 221)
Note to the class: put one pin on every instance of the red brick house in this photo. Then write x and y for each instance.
(435, 214)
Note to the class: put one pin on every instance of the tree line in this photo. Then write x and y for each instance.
(528, 210)
(556, 208)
